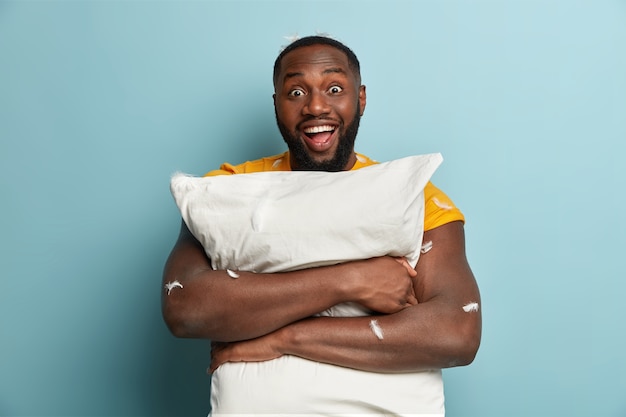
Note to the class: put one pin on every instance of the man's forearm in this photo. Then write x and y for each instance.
(422, 337)
(216, 306)
(443, 330)
(199, 302)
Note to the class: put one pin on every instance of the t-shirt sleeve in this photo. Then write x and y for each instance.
(439, 208)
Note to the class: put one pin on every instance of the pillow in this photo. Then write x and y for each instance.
(288, 220)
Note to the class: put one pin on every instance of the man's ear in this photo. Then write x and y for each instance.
(362, 99)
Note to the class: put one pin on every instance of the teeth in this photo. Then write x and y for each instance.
(319, 129)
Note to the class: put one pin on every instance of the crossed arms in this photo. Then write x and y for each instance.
(258, 317)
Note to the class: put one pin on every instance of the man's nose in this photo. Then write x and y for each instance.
(317, 104)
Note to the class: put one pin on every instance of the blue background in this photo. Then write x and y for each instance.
(101, 101)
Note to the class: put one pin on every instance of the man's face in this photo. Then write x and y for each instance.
(318, 102)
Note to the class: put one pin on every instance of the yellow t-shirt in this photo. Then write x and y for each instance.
(438, 209)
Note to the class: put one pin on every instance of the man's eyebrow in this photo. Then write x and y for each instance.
(292, 75)
(333, 70)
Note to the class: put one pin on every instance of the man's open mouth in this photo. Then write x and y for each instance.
(319, 134)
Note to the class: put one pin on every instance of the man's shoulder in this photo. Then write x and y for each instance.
(439, 208)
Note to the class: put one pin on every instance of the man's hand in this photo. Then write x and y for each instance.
(261, 349)
(384, 284)
(402, 261)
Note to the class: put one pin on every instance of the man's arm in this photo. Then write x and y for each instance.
(436, 333)
(199, 302)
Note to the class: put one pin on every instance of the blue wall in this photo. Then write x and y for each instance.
(101, 101)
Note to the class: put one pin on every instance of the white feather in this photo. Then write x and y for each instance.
(427, 246)
(471, 307)
(292, 38)
(376, 329)
(442, 205)
(170, 285)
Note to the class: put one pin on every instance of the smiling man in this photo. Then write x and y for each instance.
(272, 352)
(319, 102)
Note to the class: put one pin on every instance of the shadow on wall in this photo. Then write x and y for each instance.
(173, 372)
(179, 384)
(167, 374)
(4, 410)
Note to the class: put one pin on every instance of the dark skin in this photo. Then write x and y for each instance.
(215, 306)
(259, 317)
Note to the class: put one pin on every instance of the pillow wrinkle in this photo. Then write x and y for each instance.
(256, 221)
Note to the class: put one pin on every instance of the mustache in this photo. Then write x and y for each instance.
(319, 119)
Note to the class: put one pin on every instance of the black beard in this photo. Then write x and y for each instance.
(302, 159)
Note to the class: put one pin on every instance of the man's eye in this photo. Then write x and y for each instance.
(296, 93)
(335, 89)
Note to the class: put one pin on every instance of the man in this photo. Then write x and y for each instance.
(288, 359)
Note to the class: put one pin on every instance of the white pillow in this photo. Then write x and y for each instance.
(283, 221)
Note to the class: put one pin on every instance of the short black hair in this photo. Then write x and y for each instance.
(353, 61)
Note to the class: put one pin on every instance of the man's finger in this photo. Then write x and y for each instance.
(402, 261)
